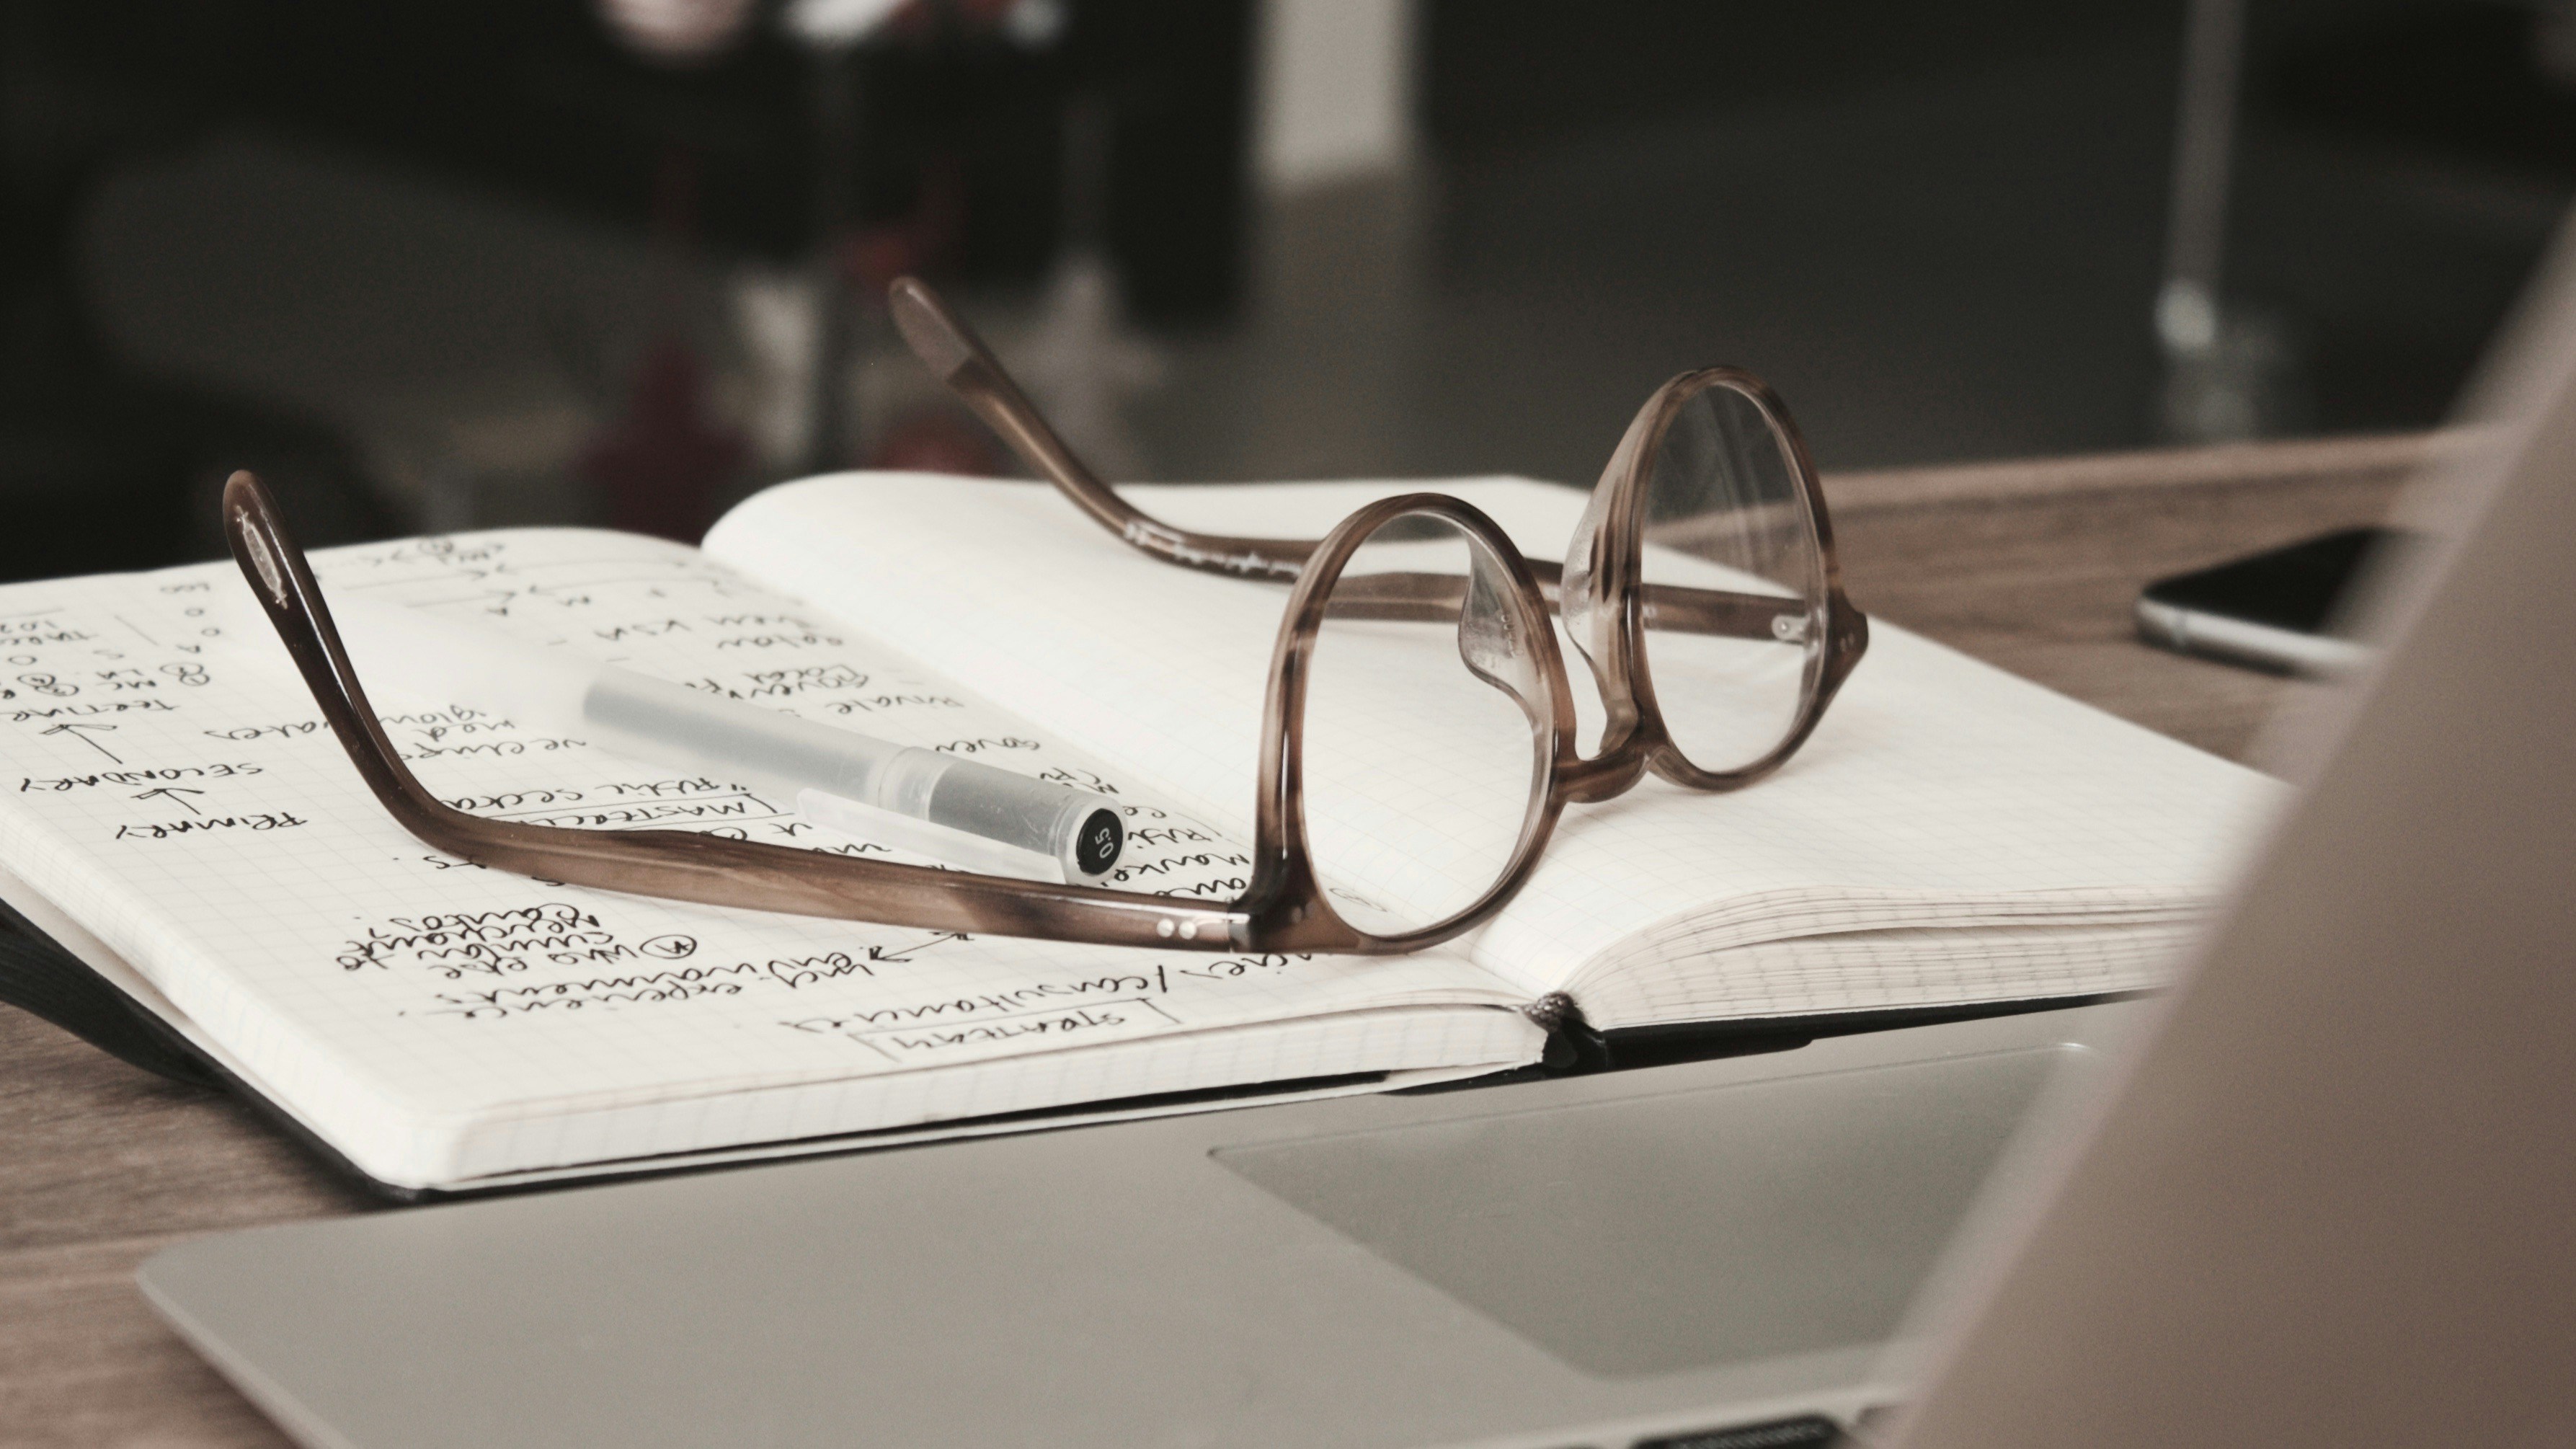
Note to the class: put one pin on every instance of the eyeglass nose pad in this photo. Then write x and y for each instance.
(1574, 603)
(1489, 636)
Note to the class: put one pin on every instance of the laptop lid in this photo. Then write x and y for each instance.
(2334, 1200)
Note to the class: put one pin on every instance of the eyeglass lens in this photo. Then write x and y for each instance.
(1420, 755)
(1723, 511)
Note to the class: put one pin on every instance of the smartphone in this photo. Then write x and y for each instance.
(2273, 610)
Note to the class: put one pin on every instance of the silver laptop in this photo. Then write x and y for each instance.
(1664, 1250)
(1726, 1254)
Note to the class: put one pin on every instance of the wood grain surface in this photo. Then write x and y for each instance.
(2032, 565)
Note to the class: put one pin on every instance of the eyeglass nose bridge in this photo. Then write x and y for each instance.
(1599, 572)
(1605, 776)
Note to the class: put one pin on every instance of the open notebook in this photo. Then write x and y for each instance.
(179, 817)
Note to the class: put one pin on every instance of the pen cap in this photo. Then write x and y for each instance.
(905, 832)
(1080, 830)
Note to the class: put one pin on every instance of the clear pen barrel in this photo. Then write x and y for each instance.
(654, 719)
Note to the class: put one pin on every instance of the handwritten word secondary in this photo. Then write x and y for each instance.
(137, 777)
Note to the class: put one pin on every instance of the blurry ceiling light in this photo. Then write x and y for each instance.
(838, 22)
(676, 30)
(1034, 23)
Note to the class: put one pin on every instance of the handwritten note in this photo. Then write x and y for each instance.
(168, 780)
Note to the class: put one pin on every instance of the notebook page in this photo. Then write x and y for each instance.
(1329, 1056)
(1858, 971)
(170, 787)
(1937, 791)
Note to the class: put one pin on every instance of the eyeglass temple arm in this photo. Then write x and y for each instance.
(951, 350)
(677, 865)
(959, 358)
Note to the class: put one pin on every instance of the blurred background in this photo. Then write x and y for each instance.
(436, 264)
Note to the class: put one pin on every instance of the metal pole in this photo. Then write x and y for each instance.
(2187, 308)
(830, 437)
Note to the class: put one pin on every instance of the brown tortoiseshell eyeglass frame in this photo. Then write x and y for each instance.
(1285, 908)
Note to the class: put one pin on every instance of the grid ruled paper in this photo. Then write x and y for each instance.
(168, 785)
(1939, 793)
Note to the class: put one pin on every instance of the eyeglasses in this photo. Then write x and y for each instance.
(1419, 741)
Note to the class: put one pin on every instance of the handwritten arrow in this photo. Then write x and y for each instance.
(80, 732)
(172, 794)
(902, 955)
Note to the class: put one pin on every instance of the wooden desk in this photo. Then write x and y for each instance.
(2031, 565)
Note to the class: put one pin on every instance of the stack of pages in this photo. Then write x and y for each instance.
(179, 816)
